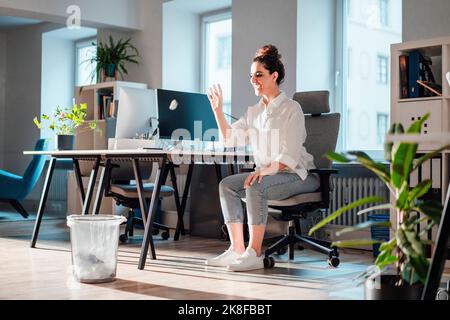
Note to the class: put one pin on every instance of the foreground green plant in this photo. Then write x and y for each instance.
(407, 248)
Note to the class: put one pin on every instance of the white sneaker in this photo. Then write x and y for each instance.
(247, 261)
(224, 259)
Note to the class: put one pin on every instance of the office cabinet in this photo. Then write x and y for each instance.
(430, 60)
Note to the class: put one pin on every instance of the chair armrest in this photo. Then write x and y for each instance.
(324, 175)
(324, 171)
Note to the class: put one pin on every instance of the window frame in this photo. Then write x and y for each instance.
(83, 43)
(383, 80)
(383, 6)
(385, 117)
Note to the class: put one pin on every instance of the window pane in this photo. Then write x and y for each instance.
(218, 58)
(85, 68)
(366, 103)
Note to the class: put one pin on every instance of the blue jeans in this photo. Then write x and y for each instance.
(276, 187)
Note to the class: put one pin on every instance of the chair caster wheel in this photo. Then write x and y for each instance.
(165, 235)
(155, 231)
(442, 295)
(333, 261)
(269, 262)
(123, 238)
(301, 248)
(281, 251)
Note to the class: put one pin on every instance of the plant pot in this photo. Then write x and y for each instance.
(110, 71)
(383, 288)
(64, 142)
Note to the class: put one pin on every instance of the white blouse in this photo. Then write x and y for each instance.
(275, 133)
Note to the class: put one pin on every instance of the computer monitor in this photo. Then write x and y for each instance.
(185, 116)
(136, 113)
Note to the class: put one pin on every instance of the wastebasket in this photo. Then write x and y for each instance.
(94, 240)
(379, 232)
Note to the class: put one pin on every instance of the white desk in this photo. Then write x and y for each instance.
(165, 159)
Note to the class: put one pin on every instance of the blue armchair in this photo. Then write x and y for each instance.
(15, 188)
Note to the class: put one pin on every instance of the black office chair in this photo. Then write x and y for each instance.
(126, 194)
(322, 131)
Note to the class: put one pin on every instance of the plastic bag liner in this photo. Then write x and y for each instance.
(94, 240)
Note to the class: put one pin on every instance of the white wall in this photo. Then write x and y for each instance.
(2, 94)
(148, 40)
(181, 49)
(316, 45)
(58, 75)
(425, 19)
(256, 23)
(23, 92)
(120, 13)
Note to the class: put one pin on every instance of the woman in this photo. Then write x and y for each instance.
(275, 127)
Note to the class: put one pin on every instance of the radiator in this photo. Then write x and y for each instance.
(58, 187)
(345, 190)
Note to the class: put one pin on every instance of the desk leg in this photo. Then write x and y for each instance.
(180, 224)
(91, 185)
(440, 254)
(140, 189)
(104, 179)
(76, 168)
(48, 180)
(148, 238)
(218, 172)
(231, 168)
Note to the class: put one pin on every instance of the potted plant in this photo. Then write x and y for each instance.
(64, 123)
(111, 58)
(400, 269)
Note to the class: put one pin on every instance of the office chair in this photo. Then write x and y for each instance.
(15, 188)
(322, 131)
(126, 194)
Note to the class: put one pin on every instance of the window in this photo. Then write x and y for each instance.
(382, 69)
(383, 7)
(382, 126)
(85, 72)
(216, 61)
(224, 52)
(364, 60)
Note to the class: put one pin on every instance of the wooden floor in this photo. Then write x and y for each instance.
(179, 272)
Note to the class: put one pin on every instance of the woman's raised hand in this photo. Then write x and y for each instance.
(215, 97)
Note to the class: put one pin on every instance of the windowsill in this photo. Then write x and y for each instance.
(354, 169)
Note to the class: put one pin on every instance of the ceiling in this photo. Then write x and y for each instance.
(198, 6)
(13, 22)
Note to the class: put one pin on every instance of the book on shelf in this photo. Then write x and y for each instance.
(403, 76)
(414, 74)
(104, 104)
(419, 73)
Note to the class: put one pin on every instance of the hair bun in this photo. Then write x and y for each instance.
(270, 58)
(268, 50)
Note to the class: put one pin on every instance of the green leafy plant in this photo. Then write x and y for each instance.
(114, 55)
(407, 248)
(65, 121)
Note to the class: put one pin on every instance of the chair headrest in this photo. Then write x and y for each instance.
(313, 102)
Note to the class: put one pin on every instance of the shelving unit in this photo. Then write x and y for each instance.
(93, 96)
(408, 110)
